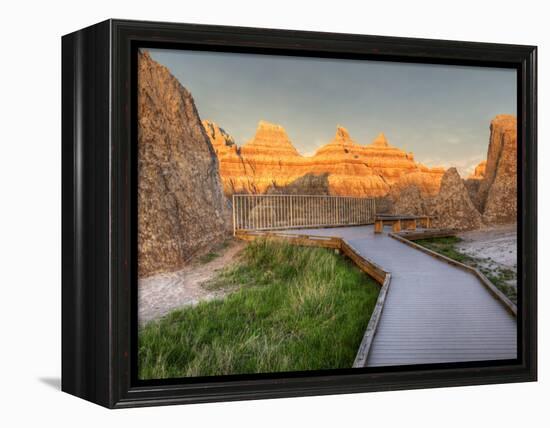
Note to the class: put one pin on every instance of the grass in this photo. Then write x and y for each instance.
(207, 258)
(446, 246)
(295, 309)
(498, 275)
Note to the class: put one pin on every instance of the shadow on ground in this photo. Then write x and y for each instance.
(52, 382)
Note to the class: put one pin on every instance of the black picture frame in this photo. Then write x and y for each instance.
(99, 212)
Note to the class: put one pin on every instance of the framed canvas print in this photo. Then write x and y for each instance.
(252, 213)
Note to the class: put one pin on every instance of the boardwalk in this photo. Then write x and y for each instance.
(434, 312)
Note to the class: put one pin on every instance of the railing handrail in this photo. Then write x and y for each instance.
(286, 211)
(300, 195)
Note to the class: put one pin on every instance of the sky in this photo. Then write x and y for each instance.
(441, 113)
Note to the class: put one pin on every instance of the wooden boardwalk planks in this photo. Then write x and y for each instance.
(434, 311)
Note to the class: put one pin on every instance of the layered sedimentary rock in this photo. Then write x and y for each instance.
(181, 207)
(398, 168)
(453, 207)
(498, 188)
(267, 159)
(426, 179)
(349, 172)
(270, 160)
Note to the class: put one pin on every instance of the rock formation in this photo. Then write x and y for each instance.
(473, 182)
(221, 141)
(498, 188)
(309, 184)
(267, 159)
(409, 200)
(452, 206)
(472, 186)
(181, 207)
(349, 172)
(270, 160)
(479, 171)
(426, 179)
(488, 196)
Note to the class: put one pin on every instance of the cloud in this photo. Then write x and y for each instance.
(454, 140)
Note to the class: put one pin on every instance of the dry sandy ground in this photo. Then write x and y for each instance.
(160, 294)
(494, 247)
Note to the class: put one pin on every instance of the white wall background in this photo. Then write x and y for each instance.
(30, 211)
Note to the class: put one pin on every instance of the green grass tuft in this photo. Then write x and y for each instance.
(295, 309)
(207, 258)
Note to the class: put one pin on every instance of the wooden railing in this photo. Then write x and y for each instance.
(272, 212)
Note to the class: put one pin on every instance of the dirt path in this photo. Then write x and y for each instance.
(162, 293)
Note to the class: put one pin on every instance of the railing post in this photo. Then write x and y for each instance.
(255, 211)
(247, 211)
(233, 208)
(262, 211)
(291, 209)
(239, 207)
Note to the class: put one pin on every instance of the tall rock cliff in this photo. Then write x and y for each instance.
(498, 189)
(270, 160)
(181, 207)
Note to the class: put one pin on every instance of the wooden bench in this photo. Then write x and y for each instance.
(408, 222)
